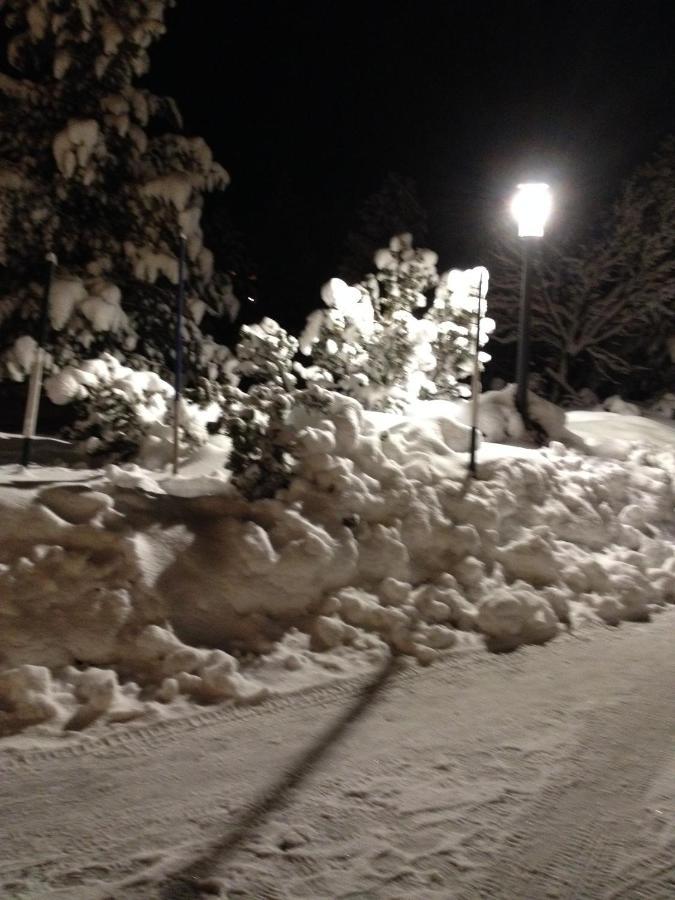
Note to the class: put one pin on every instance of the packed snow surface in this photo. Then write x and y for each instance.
(136, 592)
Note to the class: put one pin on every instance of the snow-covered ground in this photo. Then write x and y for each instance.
(129, 595)
(538, 774)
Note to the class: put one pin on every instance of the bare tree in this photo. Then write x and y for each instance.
(603, 307)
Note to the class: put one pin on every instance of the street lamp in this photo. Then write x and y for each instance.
(531, 207)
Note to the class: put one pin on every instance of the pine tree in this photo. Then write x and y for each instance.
(403, 333)
(91, 170)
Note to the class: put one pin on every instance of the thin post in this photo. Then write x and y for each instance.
(178, 370)
(523, 361)
(35, 384)
(475, 383)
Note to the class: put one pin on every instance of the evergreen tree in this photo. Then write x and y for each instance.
(393, 209)
(91, 170)
(401, 334)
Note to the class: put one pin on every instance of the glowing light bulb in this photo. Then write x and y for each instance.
(531, 207)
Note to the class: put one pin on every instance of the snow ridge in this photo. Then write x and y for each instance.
(379, 544)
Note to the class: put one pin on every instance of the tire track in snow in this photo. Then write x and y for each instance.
(570, 845)
(143, 739)
(166, 791)
(139, 739)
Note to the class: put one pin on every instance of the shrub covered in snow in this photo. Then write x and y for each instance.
(265, 354)
(90, 170)
(400, 334)
(124, 414)
(453, 314)
(262, 425)
(367, 344)
(261, 459)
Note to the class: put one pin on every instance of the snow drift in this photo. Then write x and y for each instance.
(122, 595)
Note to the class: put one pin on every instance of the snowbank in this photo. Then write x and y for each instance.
(379, 544)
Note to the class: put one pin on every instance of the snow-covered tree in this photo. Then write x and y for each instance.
(91, 169)
(402, 333)
(602, 311)
(265, 354)
(453, 315)
(261, 459)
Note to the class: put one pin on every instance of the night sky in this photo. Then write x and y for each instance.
(310, 103)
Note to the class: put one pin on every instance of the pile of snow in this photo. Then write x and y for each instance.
(617, 404)
(121, 597)
(499, 421)
(614, 436)
(664, 406)
(83, 634)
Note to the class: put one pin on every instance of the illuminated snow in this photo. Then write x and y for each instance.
(379, 542)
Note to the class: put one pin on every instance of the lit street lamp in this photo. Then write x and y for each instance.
(531, 207)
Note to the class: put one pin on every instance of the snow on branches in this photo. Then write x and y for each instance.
(124, 414)
(265, 354)
(403, 333)
(90, 170)
(85, 37)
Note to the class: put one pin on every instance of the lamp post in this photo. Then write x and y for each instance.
(178, 368)
(531, 207)
(35, 383)
(478, 291)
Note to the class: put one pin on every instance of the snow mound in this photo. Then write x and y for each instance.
(123, 597)
(664, 406)
(621, 407)
(499, 420)
(83, 635)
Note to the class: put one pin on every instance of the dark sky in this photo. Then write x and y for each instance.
(309, 103)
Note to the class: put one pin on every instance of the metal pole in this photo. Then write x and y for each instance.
(523, 363)
(178, 371)
(475, 383)
(35, 383)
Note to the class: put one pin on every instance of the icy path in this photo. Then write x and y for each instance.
(549, 772)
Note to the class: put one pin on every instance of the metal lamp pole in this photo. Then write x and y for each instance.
(475, 382)
(35, 383)
(178, 371)
(523, 361)
(531, 207)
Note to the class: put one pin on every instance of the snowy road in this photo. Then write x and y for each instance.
(549, 772)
